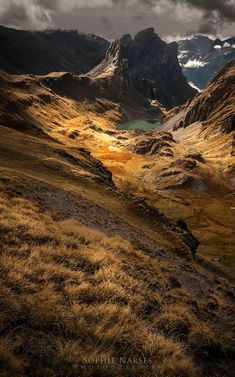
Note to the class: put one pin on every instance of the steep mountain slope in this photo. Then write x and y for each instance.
(215, 106)
(42, 52)
(201, 58)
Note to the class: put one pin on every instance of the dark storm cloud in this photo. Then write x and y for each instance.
(108, 17)
(214, 12)
(106, 22)
(210, 23)
(47, 4)
(15, 14)
(26, 13)
(224, 8)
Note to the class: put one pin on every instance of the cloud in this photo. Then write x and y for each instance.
(214, 12)
(206, 16)
(26, 13)
(194, 63)
(106, 22)
(47, 4)
(225, 9)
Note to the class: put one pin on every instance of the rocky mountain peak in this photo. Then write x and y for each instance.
(125, 41)
(117, 53)
(150, 65)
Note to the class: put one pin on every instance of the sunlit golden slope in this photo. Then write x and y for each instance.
(215, 106)
(190, 169)
(88, 267)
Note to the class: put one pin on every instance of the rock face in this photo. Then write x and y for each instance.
(215, 105)
(201, 58)
(190, 240)
(112, 79)
(160, 143)
(83, 160)
(155, 71)
(42, 52)
(149, 66)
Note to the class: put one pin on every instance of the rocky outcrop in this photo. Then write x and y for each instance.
(84, 160)
(190, 240)
(184, 164)
(155, 71)
(180, 227)
(153, 143)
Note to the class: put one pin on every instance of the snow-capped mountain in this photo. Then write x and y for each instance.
(201, 58)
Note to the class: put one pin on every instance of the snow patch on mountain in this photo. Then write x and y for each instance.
(195, 87)
(202, 57)
(194, 63)
(217, 47)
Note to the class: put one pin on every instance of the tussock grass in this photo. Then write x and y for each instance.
(69, 294)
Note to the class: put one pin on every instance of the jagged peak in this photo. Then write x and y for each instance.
(173, 47)
(125, 40)
(146, 32)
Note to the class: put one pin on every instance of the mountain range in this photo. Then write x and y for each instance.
(202, 57)
(117, 183)
(153, 68)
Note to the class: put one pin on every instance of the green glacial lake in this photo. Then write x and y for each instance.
(146, 125)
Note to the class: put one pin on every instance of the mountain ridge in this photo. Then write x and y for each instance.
(146, 55)
(202, 57)
(42, 52)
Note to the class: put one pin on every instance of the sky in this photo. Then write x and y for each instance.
(172, 19)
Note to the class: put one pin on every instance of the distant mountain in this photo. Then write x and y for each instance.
(42, 52)
(147, 65)
(201, 58)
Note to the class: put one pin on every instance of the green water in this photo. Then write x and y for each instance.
(146, 125)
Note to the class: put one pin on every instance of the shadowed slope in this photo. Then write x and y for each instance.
(41, 52)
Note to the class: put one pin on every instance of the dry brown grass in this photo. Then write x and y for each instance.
(70, 294)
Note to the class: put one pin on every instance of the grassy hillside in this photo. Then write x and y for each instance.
(70, 294)
(90, 270)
